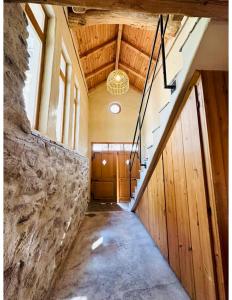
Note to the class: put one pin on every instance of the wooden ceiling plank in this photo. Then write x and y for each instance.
(98, 48)
(99, 70)
(138, 51)
(195, 8)
(132, 71)
(120, 28)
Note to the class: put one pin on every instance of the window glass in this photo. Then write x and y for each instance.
(31, 87)
(113, 147)
(115, 108)
(100, 147)
(116, 147)
(127, 147)
(97, 147)
(39, 15)
(60, 110)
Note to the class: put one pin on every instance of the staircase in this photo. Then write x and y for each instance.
(149, 153)
(146, 153)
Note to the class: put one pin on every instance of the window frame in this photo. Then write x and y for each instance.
(42, 36)
(75, 102)
(64, 79)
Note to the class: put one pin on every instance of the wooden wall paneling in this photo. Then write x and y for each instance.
(161, 208)
(212, 91)
(182, 211)
(172, 229)
(152, 211)
(201, 244)
(143, 210)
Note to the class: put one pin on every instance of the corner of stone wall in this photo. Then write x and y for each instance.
(45, 185)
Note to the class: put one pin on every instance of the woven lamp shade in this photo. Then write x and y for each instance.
(117, 83)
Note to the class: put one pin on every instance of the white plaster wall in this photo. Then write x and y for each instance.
(212, 54)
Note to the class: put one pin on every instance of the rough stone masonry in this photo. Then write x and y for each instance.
(45, 184)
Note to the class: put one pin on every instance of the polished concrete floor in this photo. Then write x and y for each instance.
(114, 258)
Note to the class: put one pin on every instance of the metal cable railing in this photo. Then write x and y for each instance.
(137, 140)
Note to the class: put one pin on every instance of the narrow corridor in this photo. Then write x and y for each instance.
(113, 257)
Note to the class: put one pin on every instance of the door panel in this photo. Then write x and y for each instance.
(124, 189)
(108, 165)
(104, 176)
(96, 165)
(135, 168)
(104, 190)
(124, 175)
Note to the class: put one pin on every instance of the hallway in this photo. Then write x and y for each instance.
(113, 257)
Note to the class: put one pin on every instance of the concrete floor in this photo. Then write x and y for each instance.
(114, 258)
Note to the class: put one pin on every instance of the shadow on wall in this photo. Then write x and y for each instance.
(45, 184)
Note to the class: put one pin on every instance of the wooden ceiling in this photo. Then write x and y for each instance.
(103, 47)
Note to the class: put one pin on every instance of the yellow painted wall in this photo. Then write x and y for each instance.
(107, 127)
(58, 34)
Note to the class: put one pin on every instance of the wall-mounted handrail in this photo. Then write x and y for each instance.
(166, 85)
(141, 116)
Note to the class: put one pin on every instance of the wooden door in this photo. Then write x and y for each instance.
(104, 176)
(123, 175)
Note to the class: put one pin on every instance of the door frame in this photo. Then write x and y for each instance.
(117, 181)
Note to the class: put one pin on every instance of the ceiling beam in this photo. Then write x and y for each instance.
(99, 70)
(132, 71)
(120, 27)
(146, 21)
(196, 8)
(101, 47)
(138, 51)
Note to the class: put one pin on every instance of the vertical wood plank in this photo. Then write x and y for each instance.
(182, 210)
(161, 209)
(212, 91)
(172, 230)
(201, 244)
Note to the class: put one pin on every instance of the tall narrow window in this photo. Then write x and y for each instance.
(37, 22)
(75, 117)
(61, 99)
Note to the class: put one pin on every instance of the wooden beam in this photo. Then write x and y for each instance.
(101, 47)
(195, 8)
(120, 27)
(99, 70)
(146, 21)
(138, 51)
(132, 71)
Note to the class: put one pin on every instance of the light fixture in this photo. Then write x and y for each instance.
(115, 108)
(117, 83)
(104, 162)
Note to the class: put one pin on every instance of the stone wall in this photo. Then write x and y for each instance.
(45, 184)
